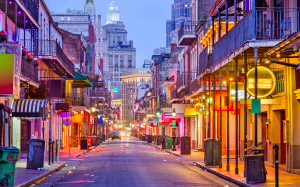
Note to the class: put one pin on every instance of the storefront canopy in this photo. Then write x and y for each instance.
(28, 108)
(80, 81)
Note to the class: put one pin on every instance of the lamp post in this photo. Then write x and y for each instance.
(173, 112)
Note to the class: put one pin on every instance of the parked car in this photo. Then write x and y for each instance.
(116, 135)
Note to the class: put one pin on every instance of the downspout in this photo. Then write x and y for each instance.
(282, 63)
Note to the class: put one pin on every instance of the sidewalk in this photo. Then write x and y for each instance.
(285, 179)
(27, 177)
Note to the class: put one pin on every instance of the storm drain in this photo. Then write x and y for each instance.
(192, 184)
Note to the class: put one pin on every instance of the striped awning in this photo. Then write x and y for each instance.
(28, 108)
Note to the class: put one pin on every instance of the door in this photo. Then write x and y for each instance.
(264, 135)
(25, 135)
(282, 150)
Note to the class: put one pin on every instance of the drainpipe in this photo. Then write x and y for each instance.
(282, 63)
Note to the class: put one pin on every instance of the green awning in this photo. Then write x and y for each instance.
(80, 81)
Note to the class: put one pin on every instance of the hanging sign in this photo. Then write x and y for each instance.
(197, 108)
(266, 82)
(173, 122)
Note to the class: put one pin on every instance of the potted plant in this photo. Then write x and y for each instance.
(36, 61)
(29, 56)
(3, 36)
(24, 50)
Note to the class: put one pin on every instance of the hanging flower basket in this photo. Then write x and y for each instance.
(29, 56)
(24, 50)
(36, 61)
(3, 36)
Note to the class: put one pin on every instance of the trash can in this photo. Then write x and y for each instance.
(149, 139)
(94, 141)
(158, 140)
(185, 145)
(74, 141)
(99, 140)
(209, 149)
(163, 143)
(8, 158)
(35, 155)
(169, 143)
(83, 143)
(143, 138)
(255, 169)
(146, 138)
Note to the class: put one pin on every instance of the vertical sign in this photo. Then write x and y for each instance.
(7, 66)
(174, 122)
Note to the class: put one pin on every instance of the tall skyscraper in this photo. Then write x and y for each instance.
(181, 12)
(117, 52)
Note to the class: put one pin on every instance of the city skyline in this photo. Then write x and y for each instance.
(142, 12)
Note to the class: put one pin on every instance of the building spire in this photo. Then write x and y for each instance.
(89, 2)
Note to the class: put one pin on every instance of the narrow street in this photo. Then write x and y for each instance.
(131, 163)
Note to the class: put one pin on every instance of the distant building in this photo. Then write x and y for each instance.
(147, 63)
(78, 22)
(180, 13)
(117, 52)
(135, 83)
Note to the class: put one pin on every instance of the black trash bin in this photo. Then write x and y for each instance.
(163, 143)
(143, 138)
(35, 155)
(255, 170)
(83, 143)
(99, 140)
(103, 137)
(94, 141)
(185, 145)
(149, 139)
(158, 140)
(209, 149)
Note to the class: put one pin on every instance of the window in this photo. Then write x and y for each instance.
(69, 18)
(62, 18)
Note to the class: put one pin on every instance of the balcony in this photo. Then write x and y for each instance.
(183, 81)
(193, 86)
(176, 95)
(29, 73)
(32, 7)
(187, 33)
(97, 95)
(204, 63)
(52, 54)
(265, 24)
(78, 99)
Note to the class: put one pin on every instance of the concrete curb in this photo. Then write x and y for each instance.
(86, 151)
(170, 152)
(222, 175)
(34, 180)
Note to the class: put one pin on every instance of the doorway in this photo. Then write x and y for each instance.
(264, 135)
(282, 157)
(25, 135)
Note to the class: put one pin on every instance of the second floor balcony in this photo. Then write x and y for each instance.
(176, 95)
(78, 99)
(52, 54)
(29, 72)
(187, 33)
(266, 26)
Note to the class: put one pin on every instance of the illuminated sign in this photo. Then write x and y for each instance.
(116, 89)
(266, 82)
(197, 108)
(7, 68)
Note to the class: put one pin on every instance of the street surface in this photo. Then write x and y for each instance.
(131, 163)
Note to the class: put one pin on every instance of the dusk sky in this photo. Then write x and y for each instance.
(145, 20)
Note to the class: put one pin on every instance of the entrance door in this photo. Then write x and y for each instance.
(264, 135)
(174, 132)
(25, 135)
(282, 149)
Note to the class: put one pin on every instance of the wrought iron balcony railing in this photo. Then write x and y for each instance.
(29, 71)
(204, 60)
(187, 32)
(78, 99)
(48, 48)
(193, 86)
(280, 81)
(176, 95)
(267, 23)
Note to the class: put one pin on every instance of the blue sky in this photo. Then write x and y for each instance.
(145, 20)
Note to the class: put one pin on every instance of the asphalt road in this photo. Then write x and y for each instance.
(131, 163)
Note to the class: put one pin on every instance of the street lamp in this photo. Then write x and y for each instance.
(93, 109)
(98, 116)
(174, 112)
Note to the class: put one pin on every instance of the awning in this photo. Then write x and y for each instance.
(28, 108)
(190, 112)
(80, 81)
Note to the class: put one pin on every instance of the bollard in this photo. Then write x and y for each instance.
(276, 164)
(174, 142)
(52, 146)
(57, 150)
(49, 151)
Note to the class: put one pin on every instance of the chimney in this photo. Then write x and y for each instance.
(131, 42)
(173, 46)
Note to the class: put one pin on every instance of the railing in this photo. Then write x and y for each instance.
(193, 86)
(268, 23)
(97, 94)
(29, 71)
(78, 99)
(175, 94)
(203, 61)
(280, 81)
(32, 7)
(180, 81)
(48, 48)
(187, 28)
